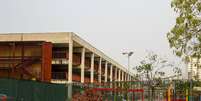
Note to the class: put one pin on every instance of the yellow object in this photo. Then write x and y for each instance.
(34, 79)
(186, 94)
(169, 94)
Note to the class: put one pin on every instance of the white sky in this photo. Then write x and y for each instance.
(113, 26)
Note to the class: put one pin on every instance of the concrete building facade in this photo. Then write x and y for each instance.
(194, 68)
(58, 58)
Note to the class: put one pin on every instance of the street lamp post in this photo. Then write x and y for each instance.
(128, 54)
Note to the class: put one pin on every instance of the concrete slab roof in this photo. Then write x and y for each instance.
(59, 38)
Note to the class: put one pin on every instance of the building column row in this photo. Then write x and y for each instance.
(119, 75)
(70, 67)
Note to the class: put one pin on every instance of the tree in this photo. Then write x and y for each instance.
(185, 37)
(150, 68)
(150, 71)
(177, 71)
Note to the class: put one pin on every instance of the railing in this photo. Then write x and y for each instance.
(59, 81)
(59, 61)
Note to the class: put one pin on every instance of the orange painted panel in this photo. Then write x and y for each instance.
(76, 78)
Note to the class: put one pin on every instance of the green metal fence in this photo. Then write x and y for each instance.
(22, 90)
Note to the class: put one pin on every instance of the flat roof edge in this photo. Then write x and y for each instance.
(96, 51)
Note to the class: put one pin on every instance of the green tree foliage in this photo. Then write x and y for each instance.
(185, 37)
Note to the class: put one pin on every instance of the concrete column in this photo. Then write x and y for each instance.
(115, 75)
(111, 72)
(99, 70)
(119, 74)
(92, 68)
(125, 76)
(106, 71)
(70, 60)
(70, 67)
(122, 76)
(69, 92)
(82, 64)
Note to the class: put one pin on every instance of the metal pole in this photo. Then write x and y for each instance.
(191, 90)
(128, 63)
(128, 54)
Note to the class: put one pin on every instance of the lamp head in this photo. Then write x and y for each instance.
(130, 53)
(124, 53)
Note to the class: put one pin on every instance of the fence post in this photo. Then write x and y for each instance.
(143, 95)
(69, 91)
(200, 97)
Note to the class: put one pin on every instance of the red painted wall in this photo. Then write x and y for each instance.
(46, 68)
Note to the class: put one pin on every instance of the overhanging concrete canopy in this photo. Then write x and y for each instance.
(62, 39)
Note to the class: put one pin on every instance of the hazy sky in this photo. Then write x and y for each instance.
(113, 26)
